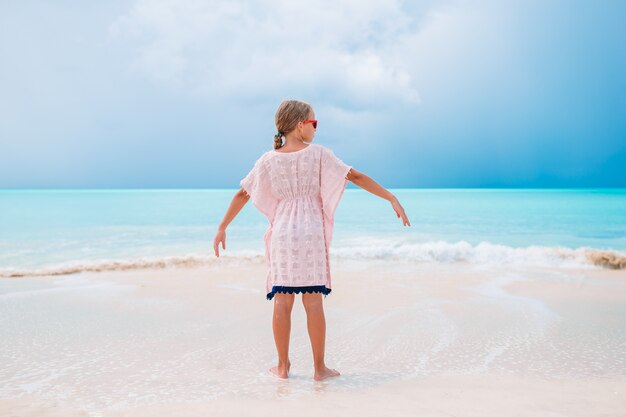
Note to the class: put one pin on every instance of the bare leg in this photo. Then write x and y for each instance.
(281, 323)
(316, 324)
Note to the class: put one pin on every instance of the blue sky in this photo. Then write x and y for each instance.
(182, 93)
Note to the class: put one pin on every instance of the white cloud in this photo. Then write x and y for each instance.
(332, 49)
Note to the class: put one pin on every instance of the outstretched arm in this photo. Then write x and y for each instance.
(368, 184)
(239, 200)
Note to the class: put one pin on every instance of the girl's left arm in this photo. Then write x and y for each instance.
(368, 184)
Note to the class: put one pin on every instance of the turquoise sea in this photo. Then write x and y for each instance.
(63, 231)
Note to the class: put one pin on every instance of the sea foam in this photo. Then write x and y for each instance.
(484, 253)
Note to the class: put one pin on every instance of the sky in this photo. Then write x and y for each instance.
(415, 94)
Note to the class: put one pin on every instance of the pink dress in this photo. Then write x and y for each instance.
(298, 192)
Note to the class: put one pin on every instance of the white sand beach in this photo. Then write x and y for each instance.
(409, 339)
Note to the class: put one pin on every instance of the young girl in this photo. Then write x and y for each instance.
(297, 186)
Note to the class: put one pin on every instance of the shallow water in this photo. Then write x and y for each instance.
(65, 231)
(97, 342)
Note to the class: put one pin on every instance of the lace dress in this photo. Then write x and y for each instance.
(298, 192)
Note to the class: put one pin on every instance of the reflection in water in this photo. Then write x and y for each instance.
(320, 387)
(283, 388)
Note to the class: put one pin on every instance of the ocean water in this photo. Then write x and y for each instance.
(65, 231)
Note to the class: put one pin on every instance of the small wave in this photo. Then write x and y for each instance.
(483, 253)
(607, 259)
(428, 252)
(186, 261)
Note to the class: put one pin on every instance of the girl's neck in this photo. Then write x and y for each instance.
(293, 143)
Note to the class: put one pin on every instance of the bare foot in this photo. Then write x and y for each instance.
(281, 371)
(325, 373)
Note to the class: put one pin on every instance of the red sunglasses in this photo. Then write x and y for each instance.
(311, 121)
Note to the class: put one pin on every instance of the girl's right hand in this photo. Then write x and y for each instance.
(220, 236)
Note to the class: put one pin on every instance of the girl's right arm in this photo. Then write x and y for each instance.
(239, 200)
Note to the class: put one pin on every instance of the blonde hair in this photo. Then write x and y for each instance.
(288, 114)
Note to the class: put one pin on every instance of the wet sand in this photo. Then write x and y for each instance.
(409, 339)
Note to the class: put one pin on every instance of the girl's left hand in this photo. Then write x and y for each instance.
(400, 211)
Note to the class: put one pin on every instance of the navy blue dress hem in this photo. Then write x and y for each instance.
(311, 289)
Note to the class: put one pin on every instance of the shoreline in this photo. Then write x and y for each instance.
(438, 252)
